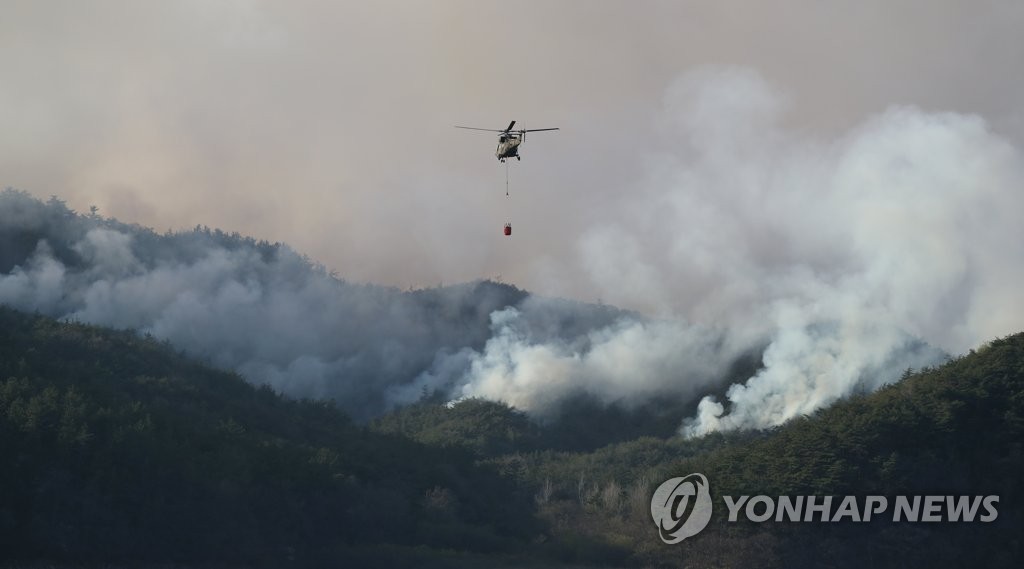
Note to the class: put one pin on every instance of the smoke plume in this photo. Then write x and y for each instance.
(843, 260)
(842, 253)
(851, 259)
(259, 308)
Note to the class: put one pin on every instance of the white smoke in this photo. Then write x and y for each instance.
(627, 363)
(847, 259)
(843, 256)
(842, 250)
(259, 309)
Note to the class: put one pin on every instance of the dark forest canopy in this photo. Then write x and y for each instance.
(118, 448)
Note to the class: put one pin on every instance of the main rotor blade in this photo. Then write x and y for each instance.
(538, 129)
(510, 125)
(484, 129)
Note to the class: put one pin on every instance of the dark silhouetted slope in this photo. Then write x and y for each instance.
(117, 448)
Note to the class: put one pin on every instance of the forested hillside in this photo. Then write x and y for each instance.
(118, 448)
(956, 429)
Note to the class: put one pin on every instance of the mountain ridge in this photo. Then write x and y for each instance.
(259, 308)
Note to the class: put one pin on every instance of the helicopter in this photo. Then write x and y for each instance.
(508, 140)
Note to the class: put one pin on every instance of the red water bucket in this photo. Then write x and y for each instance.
(508, 229)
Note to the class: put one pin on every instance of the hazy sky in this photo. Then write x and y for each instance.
(831, 181)
(328, 125)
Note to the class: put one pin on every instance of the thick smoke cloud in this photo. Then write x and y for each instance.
(850, 258)
(843, 259)
(627, 363)
(291, 121)
(840, 252)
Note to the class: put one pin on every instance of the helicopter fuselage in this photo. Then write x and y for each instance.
(508, 147)
(508, 139)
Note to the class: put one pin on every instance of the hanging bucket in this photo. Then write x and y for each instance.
(508, 229)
